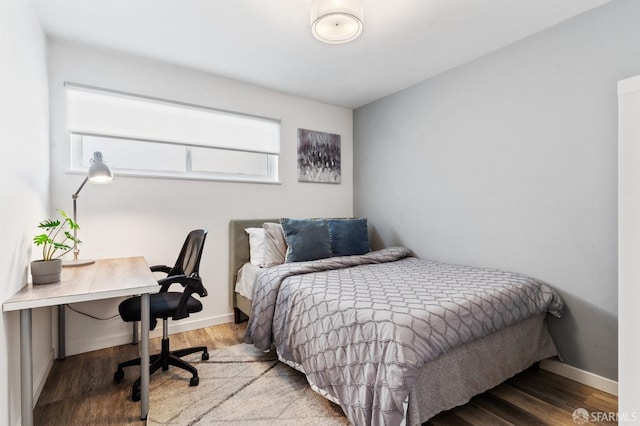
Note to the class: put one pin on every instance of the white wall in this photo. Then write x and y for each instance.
(151, 217)
(629, 245)
(510, 161)
(24, 188)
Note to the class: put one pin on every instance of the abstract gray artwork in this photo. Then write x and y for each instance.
(318, 156)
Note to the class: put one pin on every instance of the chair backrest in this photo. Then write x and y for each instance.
(188, 262)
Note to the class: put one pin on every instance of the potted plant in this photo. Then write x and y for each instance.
(55, 242)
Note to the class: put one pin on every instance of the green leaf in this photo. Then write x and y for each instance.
(60, 246)
(71, 237)
(49, 224)
(41, 239)
(71, 222)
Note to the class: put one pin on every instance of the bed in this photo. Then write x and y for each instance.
(388, 383)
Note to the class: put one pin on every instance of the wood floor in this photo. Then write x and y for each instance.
(80, 391)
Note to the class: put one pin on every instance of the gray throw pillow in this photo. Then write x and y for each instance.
(307, 239)
(349, 236)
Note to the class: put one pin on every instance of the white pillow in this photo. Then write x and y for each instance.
(275, 246)
(256, 245)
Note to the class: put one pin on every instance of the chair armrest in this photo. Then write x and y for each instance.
(191, 285)
(160, 268)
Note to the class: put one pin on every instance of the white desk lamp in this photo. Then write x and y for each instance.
(98, 172)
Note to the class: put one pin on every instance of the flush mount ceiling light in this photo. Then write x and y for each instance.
(336, 21)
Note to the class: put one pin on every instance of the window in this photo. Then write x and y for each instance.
(153, 137)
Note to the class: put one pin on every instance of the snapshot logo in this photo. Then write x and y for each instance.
(581, 416)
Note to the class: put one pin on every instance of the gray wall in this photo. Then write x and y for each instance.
(510, 161)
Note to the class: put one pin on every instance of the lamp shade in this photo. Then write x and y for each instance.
(336, 21)
(99, 172)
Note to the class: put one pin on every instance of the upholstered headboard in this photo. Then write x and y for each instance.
(239, 255)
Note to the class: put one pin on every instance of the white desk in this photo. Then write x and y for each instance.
(104, 279)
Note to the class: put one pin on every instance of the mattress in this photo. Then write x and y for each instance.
(247, 275)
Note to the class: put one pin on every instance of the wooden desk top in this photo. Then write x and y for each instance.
(104, 279)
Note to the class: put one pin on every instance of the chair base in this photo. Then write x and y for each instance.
(163, 360)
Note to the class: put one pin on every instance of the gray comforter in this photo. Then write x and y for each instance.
(360, 327)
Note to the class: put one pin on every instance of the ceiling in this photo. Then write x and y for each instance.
(269, 43)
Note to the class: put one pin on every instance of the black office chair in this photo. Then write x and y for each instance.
(175, 305)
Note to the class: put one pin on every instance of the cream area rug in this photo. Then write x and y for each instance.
(239, 385)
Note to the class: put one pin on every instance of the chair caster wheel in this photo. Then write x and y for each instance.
(118, 375)
(205, 356)
(194, 381)
(135, 396)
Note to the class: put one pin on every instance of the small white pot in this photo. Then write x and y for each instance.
(46, 271)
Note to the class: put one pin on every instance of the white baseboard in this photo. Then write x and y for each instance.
(101, 342)
(182, 326)
(581, 376)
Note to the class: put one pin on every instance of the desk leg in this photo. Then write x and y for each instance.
(26, 368)
(144, 355)
(61, 332)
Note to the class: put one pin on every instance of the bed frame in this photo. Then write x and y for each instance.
(238, 256)
(455, 377)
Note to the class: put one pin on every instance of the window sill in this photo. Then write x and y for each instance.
(234, 179)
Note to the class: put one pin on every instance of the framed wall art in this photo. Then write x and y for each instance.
(318, 157)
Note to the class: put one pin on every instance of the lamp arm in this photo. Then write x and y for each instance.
(75, 195)
(75, 218)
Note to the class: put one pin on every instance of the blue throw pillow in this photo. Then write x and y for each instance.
(307, 239)
(349, 236)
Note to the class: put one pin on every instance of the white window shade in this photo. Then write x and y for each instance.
(150, 137)
(104, 113)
